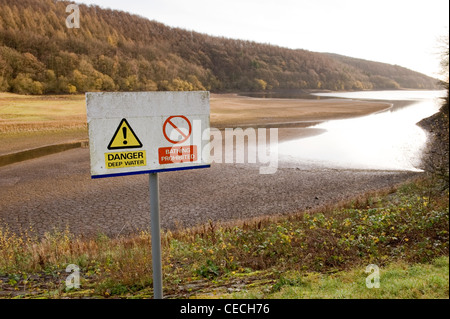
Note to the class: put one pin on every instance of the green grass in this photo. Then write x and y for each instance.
(398, 280)
(319, 254)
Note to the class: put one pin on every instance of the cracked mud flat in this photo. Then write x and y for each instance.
(56, 191)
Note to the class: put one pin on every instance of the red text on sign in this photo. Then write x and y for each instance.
(177, 154)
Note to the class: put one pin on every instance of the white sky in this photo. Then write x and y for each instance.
(403, 32)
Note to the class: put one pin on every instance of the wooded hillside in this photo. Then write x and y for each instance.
(118, 51)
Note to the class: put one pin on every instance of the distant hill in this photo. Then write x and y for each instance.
(118, 51)
(383, 75)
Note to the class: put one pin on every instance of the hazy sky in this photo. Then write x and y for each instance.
(403, 32)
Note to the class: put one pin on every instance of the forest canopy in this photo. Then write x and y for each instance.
(117, 51)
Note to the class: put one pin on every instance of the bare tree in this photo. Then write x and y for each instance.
(436, 159)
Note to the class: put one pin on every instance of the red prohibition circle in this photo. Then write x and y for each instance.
(185, 137)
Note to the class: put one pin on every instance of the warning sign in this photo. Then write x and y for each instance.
(147, 132)
(125, 159)
(124, 137)
(177, 154)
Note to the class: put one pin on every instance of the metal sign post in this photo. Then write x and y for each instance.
(156, 236)
(134, 133)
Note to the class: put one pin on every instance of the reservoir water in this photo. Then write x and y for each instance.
(388, 140)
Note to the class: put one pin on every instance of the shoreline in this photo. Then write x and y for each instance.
(308, 113)
(227, 111)
(57, 191)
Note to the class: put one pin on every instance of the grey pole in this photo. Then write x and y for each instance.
(156, 236)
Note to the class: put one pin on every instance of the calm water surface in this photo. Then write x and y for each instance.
(388, 140)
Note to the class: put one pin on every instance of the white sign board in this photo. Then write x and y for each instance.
(147, 132)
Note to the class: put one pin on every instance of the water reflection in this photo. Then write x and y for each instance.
(389, 140)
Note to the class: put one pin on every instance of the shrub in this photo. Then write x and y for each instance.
(24, 84)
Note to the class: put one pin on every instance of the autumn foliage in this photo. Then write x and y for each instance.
(118, 51)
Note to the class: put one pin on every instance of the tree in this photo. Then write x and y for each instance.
(51, 82)
(445, 72)
(196, 84)
(119, 51)
(4, 85)
(24, 84)
(261, 85)
(436, 160)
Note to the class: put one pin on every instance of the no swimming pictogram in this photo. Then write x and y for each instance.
(177, 129)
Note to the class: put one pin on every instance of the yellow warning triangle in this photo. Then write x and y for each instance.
(124, 137)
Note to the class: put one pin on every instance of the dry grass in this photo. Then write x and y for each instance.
(35, 113)
(33, 121)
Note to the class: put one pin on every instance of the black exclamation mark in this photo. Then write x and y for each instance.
(124, 130)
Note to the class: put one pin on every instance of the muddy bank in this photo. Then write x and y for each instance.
(56, 191)
(229, 110)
